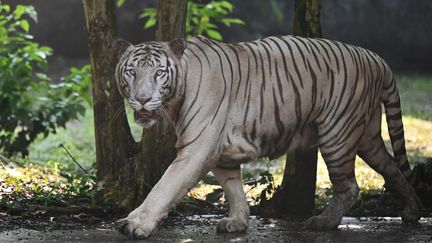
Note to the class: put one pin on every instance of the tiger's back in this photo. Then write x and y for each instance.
(280, 92)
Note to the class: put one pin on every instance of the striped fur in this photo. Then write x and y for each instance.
(238, 102)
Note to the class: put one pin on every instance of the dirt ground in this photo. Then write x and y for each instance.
(202, 229)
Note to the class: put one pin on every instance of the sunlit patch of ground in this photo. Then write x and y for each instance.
(418, 137)
(28, 180)
(29, 184)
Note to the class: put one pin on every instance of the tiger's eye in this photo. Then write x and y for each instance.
(131, 72)
(159, 72)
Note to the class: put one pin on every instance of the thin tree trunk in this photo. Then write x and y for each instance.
(126, 170)
(114, 143)
(307, 18)
(296, 195)
(297, 191)
(171, 20)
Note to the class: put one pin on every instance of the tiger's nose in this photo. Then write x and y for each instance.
(143, 99)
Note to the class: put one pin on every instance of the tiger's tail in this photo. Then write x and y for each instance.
(393, 113)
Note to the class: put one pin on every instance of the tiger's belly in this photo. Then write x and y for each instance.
(241, 151)
(240, 148)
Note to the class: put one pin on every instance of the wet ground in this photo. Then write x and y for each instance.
(202, 229)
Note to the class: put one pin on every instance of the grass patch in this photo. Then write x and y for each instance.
(24, 184)
(77, 137)
(416, 96)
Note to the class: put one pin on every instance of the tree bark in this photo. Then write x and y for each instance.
(307, 18)
(114, 143)
(171, 20)
(296, 195)
(126, 170)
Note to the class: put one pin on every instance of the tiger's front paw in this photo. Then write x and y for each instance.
(321, 222)
(231, 225)
(134, 229)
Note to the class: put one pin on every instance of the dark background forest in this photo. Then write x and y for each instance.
(399, 30)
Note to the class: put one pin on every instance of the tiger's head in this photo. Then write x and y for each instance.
(147, 75)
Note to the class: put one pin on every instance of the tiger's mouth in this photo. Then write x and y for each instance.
(144, 117)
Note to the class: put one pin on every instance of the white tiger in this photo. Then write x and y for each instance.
(234, 103)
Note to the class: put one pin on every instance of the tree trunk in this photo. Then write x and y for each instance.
(171, 20)
(307, 18)
(296, 195)
(114, 143)
(126, 170)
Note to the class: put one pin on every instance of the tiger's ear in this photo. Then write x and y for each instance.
(177, 46)
(120, 46)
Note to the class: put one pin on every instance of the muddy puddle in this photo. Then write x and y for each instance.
(201, 228)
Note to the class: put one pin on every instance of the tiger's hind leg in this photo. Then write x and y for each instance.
(338, 149)
(232, 184)
(373, 151)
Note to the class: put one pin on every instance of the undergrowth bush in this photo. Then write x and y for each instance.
(29, 103)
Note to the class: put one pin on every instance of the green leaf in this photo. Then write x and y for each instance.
(31, 12)
(214, 34)
(210, 26)
(148, 12)
(150, 23)
(214, 196)
(41, 54)
(5, 8)
(229, 21)
(210, 180)
(25, 25)
(19, 11)
(227, 5)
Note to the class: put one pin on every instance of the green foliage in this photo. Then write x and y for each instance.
(149, 13)
(201, 19)
(29, 104)
(216, 194)
(81, 186)
(263, 178)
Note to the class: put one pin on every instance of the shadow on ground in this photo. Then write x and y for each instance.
(202, 228)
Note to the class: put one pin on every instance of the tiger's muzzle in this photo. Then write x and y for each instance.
(144, 117)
